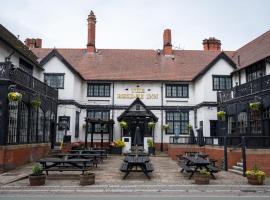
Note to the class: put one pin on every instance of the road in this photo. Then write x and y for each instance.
(133, 196)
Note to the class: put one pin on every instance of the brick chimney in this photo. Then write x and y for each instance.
(33, 43)
(167, 42)
(91, 32)
(211, 44)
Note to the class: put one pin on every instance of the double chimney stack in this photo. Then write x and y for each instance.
(211, 44)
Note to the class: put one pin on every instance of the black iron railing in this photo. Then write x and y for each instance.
(18, 76)
(252, 87)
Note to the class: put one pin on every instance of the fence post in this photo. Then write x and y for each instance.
(244, 155)
(225, 154)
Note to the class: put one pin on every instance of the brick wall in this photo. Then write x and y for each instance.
(12, 156)
(260, 157)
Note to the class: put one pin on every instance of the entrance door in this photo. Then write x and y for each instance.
(137, 137)
(213, 128)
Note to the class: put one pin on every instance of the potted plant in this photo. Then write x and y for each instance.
(151, 147)
(117, 146)
(123, 124)
(151, 125)
(221, 115)
(37, 177)
(189, 127)
(35, 103)
(255, 176)
(14, 96)
(165, 126)
(202, 177)
(255, 106)
(87, 178)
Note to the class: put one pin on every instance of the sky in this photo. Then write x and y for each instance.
(137, 24)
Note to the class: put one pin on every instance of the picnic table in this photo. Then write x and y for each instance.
(194, 163)
(60, 164)
(140, 163)
(102, 152)
(96, 157)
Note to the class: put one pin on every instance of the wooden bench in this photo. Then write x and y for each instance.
(149, 167)
(124, 167)
(213, 169)
(184, 167)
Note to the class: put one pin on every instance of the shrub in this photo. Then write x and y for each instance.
(150, 143)
(37, 169)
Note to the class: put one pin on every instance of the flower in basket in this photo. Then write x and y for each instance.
(119, 143)
(255, 106)
(166, 126)
(35, 103)
(151, 124)
(189, 127)
(257, 173)
(123, 125)
(221, 114)
(14, 96)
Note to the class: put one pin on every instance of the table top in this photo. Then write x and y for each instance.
(75, 155)
(197, 160)
(60, 160)
(87, 150)
(136, 159)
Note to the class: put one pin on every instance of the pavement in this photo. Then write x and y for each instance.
(166, 181)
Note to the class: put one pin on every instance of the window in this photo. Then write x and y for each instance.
(255, 71)
(99, 114)
(222, 82)
(23, 123)
(98, 90)
(55, 80)
(255, 123)
(33, 129)
(47, 126)
(12, 122)
(178, 122)
(231, 125)
(40, 125)
(25, 66)
(242, 123)
(177, 91)
(77, 125)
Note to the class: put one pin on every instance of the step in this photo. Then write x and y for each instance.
(236, 171)
(240, 164)
(238, 168)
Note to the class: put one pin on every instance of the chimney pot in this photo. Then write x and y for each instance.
(32, 43)
(91, 32)
(167, 42)
(211, 44)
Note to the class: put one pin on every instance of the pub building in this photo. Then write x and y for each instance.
(175, 89)
(28, 106)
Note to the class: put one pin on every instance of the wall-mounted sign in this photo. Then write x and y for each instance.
(137, 93)
(63, 122)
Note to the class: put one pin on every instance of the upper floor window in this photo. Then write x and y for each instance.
(177, 91)
(55, 80)
(255, 71)
(25, 66)
(98, 90)
(222, 82)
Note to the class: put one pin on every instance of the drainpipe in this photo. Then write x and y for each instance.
(161, 110)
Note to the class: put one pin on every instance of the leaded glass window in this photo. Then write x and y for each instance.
(178, 122)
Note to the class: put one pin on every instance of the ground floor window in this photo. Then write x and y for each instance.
(23, 123)
(255, 123)
(33, 128)
(177, 121)
(99, 114)
(242, 122)
(12, 122)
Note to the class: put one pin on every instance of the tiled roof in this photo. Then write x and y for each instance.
(253, 51)
(11, 40)
(131, 64)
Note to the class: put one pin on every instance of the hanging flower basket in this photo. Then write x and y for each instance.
(255, 176)
(166, 126)
(123, 125)
(151, 124)
(189, 127)
(14, 96)
(221, 115)
(255, 106)
(35, 103)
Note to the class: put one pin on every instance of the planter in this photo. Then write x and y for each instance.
(202, 179)
(116, 150)
(151, 150)
(253, 180)
(37, 180)
(87, 179)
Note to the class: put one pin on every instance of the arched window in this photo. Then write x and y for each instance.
(40, 133)
(33, 129)
(23, 122)
(47, 126)
(12, 122)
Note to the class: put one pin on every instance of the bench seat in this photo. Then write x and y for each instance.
(149, 167)
(184, 167)
(213, 169)
(124, 167)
